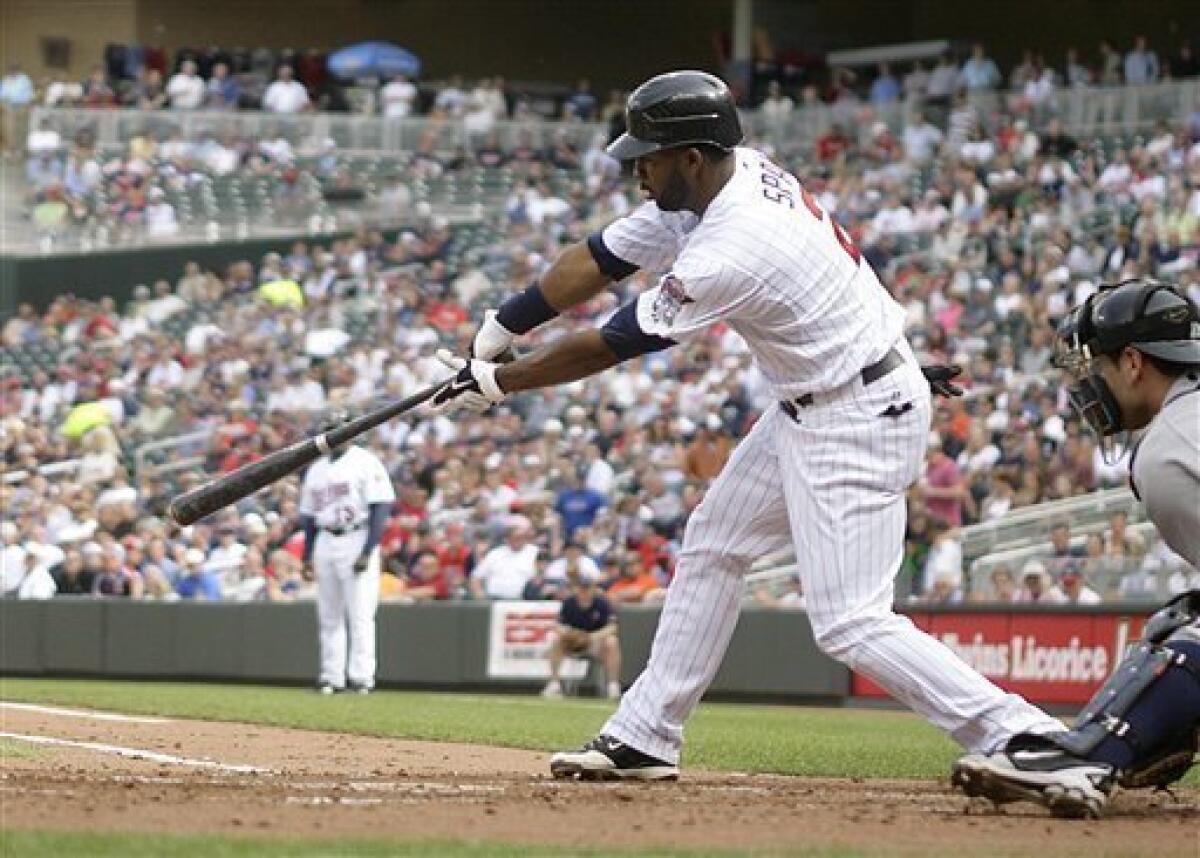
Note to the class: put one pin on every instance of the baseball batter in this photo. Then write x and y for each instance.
(742, 242)
(1132, 358)
(344, 504)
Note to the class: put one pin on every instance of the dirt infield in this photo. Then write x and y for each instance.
(331, 785)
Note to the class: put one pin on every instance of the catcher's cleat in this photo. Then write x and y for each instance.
(1070, 787)
(605, 759)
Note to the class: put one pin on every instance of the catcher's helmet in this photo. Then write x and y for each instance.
(1150, 316)
(681, 108)
(1153, 317)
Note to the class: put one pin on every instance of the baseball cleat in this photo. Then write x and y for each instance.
(358, 688)
(606, 759)
(553, 690)
(325, 689)
(1070, 787)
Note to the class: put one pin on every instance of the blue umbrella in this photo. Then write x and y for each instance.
(374, 59)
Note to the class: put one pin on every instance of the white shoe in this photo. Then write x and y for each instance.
(1069, 786)
(605, 758)
(614, 691)
(553, 690)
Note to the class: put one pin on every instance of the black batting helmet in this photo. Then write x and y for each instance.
(680, 108)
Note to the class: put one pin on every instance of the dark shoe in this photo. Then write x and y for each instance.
(605, 758)
(1069, 786)
(358, 688)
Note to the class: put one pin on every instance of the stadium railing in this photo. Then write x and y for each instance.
(113, 128)
(1086, 111)
(1032, 524)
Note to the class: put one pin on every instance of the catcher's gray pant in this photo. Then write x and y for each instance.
(831, 482)
(346, 605)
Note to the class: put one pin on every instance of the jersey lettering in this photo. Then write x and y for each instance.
(775, 189)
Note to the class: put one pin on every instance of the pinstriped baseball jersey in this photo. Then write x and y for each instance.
(770, 262)
(827, 474)
(339, 492)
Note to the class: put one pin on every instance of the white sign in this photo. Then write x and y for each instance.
(519, 640)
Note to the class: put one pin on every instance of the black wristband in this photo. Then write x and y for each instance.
(523, 312)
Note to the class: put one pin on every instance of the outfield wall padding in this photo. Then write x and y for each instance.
(443, 645)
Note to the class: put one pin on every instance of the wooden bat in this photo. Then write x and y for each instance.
(195, 504)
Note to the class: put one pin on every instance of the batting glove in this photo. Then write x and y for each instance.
(360, 563)
(940, 377)
(473, 386)
(492, 339)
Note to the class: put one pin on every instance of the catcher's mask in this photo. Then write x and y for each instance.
(1150, 316)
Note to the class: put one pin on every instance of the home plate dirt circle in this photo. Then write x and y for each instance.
(208, 777)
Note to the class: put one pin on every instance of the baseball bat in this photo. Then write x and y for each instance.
(196, 503)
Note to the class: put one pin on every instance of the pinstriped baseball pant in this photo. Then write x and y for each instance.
(832, 483)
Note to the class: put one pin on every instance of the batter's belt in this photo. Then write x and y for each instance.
(869, 375)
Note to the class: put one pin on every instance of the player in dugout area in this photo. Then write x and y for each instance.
(1131, 355)
(743, 243)
(587, 626)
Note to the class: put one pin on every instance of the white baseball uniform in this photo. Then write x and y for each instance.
(826, 472)
(338, 494)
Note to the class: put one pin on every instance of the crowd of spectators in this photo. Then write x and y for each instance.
(986, 231)
(1034, 78)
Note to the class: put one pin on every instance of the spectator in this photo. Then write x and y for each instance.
(635, 584)
(186, 88)
(943, 81)
(945, 589)
(1109, 72)
(885, 89)
(921, 139)
(581, 104)
(96, 90)
(708, 452)
(398, 97)
(943, 488)
(285, 94)
(586, 626)
(979, 73)
(16, 96)
(1076, 75)
(576, 503)
(539, 588)
(503, 571)
(1141, 64)
(196, 582)
(222, 91)
(1075, 589)
(12, 559)
(1037, 585)
(944, 560)
(571, 566)
(1004, 586)
(1060, 542)
(776, 107)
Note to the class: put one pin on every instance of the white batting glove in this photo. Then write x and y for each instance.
(472, 387)
(492, 338)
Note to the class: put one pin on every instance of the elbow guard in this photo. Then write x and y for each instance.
(625, 337)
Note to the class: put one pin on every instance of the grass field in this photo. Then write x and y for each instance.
(723, 737)
(842, 743)
(138, 846)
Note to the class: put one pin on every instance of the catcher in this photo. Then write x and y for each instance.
(1132, 357)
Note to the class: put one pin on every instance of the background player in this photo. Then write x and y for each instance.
(826, 471)
(344, 504)
(586, 626)
(1132, 355)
